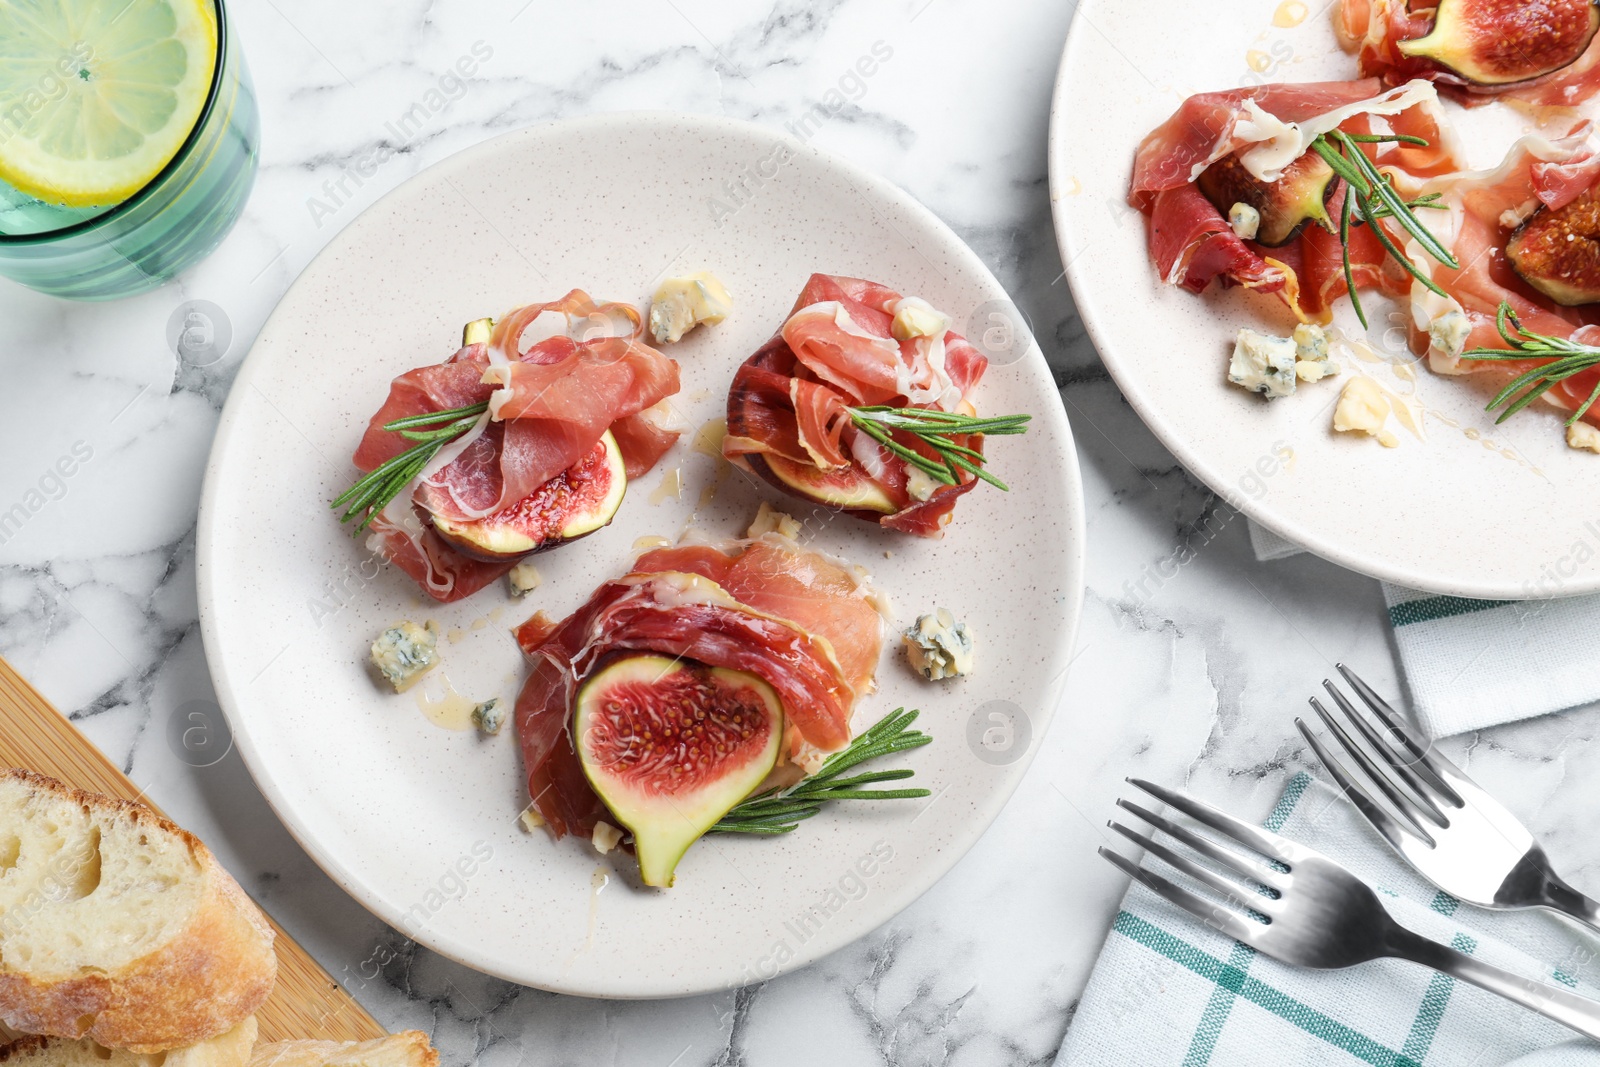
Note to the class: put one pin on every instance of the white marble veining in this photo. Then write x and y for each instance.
(1192, 678)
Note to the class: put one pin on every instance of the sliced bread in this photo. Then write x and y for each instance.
(118, 926)
(232, 1049)
(409, 1048)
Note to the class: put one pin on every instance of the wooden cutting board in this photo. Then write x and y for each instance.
(307, 1002)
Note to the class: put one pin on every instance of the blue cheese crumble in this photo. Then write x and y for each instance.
(406, 652)
(939, 647)
(1449, 332)
(1270, 365)
(1263, 363)
(489, 716)
(1245, 221)
(681, 304)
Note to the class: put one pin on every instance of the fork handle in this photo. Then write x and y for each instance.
(1565, 1007)
(1559, 896)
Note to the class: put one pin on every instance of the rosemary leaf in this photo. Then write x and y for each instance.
(372, 492)
(937, 430)
(1568, 358)
(778, 811)
(1344, 249)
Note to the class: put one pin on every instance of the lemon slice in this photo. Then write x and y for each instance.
(97, 96)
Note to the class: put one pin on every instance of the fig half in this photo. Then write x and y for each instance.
(846, 488)
(578, 501)
(1502, 42)
(1558, 252)
(1299, 196)
(671, 746)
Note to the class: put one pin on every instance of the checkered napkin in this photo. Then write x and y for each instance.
(1477, 663)
(1170, 990)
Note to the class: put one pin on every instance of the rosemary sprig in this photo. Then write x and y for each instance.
(1568, 358)
(1375, 197)
(778, 811)
(937, 430)
(432, 431)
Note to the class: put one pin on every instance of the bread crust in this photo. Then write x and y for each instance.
(204, 982)
(231, 1049)
(410, 1048)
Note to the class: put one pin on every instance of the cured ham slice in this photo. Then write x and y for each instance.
(555, 376)
(1268, 127)
(838, 349)
(1485, 208)
(797, 619)
(1373, 29)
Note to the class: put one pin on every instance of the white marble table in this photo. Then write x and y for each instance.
(1192, 678)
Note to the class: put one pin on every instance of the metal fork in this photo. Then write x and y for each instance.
(1302, 908)
(1459, 837)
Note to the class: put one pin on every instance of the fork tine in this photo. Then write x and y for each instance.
(1380, 819)
(1268, 844)
(1421, 796)
(1403, 805)
(1233, 891)
(1215, 915)
(1397, 727)
(1248, 866)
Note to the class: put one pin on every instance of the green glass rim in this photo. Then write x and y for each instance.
(177, 160)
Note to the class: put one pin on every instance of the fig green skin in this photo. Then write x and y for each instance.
(1558, 252)
(481, 540)
(1499, 44)
(1300, 196)
(671, 746)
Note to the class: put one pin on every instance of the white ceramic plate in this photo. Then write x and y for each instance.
(1474, 509)
(420, 823)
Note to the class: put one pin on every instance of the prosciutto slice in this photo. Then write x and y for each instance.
(794, 618)
(1373, 29)
(556, 376)
(1190, 241)
(837, 349)
(1485, 207)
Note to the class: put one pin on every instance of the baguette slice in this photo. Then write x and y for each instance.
(232, 1049)
(118, 926)
(409, 1048)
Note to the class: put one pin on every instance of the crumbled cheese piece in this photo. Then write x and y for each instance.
(1449, 332)
(1310, 342)
(523, 579)
(1583, 435)
(681, 304)
(531, 820)
(770, 520)
(606, 837)
(405, 653)
(489, 716)
(1311, 353)
(1263, 363)
(1512, 217)
(1245, 220)
(915, 317)
(1307, 371)
(938, 646)
(920, 484)
(1364, 407)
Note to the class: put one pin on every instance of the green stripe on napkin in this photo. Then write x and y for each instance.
(1438, 607)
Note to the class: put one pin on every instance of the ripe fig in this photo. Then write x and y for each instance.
(1299, 196)
(1558, 252)
(1502, 42)
(578, 501)
(671, 746)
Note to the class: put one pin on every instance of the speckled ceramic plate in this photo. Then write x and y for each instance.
(1464, 506)
(419, 822)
